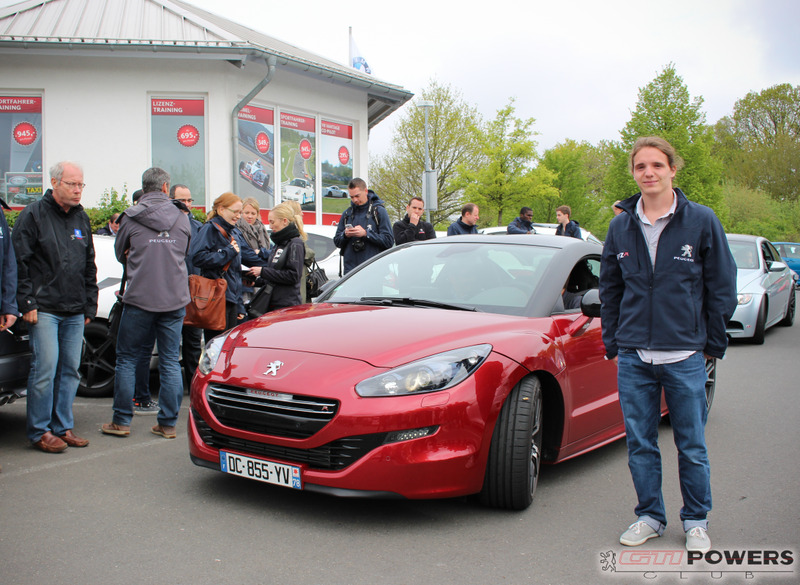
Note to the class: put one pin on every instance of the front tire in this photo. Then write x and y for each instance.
(512, 471)
(98, 360)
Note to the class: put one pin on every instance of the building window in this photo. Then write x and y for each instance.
(336, 155)
(21, 149)
(178, 143)
(256, 155)
(298, 159)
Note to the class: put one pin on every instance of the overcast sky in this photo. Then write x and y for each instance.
(575, 66)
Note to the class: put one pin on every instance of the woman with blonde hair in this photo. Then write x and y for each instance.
(251, 227)
(216, 251)
(310, 255)
(284, 270)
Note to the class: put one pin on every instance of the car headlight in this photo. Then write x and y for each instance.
(744, 298)
(211, 353)
(437, 372)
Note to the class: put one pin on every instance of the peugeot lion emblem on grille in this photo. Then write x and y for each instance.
(273, 368)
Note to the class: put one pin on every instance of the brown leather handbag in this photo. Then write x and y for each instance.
(206, 308)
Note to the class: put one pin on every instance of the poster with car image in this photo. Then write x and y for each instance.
(178, 142)
(298, 159)
(336, 156)
(256, 130)
(21, 149)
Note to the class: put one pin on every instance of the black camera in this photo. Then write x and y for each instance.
(359, 244)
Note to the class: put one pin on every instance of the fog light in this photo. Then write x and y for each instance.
(408, 435)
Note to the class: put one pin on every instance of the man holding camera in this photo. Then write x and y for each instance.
(364, 229)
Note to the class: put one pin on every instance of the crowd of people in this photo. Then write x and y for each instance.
(160, 244)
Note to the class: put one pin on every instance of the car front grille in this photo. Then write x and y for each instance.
(270, 413)
(333, 456)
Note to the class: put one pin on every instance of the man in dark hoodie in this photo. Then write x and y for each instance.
(364, 229)
(152, 242)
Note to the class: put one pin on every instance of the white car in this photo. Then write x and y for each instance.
(99, 356)
(320, 239)
(545, 229)
(298, 190)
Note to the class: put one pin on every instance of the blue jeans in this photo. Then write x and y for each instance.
(640, 387)
(134, 342)
(56, 343)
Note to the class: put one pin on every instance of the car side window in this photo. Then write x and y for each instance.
(584, 276)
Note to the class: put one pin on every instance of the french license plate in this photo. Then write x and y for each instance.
(261, 470)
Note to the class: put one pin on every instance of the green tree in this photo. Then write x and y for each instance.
(111, 202)
(397, 176)
(578, 182)
(664, 108)
(506, 179)
(760, 142)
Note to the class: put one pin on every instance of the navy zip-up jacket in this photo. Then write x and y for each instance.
(686, 302)
(374, 218)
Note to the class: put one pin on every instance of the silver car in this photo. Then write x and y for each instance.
(765, 288)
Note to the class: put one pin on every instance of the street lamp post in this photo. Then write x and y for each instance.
(426, 105)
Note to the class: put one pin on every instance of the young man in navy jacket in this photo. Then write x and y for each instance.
(668, 288)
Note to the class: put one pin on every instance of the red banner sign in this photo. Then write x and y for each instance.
(20, 104)
(260, 115)
(336, 129)
(303, 123)
(167, 107)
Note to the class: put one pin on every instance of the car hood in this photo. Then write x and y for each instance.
(746, 277)
(389, 336)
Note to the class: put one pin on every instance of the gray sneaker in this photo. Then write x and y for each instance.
(697, 540)
(150, 407)
(638, 533)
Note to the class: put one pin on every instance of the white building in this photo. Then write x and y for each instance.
(119, 86)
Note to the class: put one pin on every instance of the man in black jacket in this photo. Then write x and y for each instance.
(57, 296)
(412, 227)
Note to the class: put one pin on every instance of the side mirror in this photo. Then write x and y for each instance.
(590, 303)
(777, 266)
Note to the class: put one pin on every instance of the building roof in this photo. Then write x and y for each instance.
(171, 28)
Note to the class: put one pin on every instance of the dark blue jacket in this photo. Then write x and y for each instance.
(459, 228)
(373, 217)
(56, 272)
(211, 251)
(520, 226)
(685, 303)
(573, 230)
(8, 269)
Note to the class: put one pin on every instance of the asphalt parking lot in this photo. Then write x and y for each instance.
(136, 510)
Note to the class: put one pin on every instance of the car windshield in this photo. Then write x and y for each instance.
(493, 278)
(745, 255)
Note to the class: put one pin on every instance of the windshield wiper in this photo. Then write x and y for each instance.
(412, 302)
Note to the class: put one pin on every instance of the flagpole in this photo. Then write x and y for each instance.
(350, 47)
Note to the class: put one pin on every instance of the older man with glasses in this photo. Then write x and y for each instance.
(57, 296)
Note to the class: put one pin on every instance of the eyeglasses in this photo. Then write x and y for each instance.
(73, 185)
(185, 200)
(238, 212)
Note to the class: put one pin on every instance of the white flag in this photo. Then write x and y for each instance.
(356, 60)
